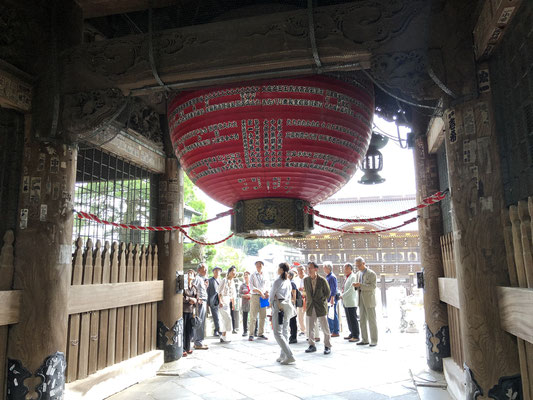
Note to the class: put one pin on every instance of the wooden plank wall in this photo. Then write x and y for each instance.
(6, 280)
(518, 236)
(448, 260)
(101, 338)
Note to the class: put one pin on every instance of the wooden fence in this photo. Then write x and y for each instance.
(516, 303)
(449, 294)
(112, 305)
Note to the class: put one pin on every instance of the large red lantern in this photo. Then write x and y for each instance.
(269, 148)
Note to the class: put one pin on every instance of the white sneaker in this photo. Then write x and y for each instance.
(288, 361)
(280, 359)
(224, 340)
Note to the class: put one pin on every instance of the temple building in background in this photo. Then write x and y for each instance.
(394, 255)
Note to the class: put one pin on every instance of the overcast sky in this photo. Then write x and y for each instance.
(398, 170)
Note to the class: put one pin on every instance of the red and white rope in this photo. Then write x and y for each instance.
(366, 232)
(435, 198)
(181, 228)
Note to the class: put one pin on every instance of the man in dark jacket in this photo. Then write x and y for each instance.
(212, 297)
(317, 293)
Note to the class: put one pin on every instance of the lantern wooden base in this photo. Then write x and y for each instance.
(271, 217)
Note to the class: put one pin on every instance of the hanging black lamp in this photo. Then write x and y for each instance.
(373, 161)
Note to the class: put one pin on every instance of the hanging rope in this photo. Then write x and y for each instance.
(207, 243)
(181, 228)
(435, 198)
(151, 52)
(312, 36)
(367, 232)
(93, 217)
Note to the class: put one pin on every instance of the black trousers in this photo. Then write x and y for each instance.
(245, 322)
(187, 330)
(294, 328)
(351, 319)
(233, 320)
(214, 313)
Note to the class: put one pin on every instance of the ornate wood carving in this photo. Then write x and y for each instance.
(86, 113)
(144, 121)
(406, 72)
(15, 88)
(98, 116)
(346, 33)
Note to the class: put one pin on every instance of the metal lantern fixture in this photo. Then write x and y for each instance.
(373, 161)
(269, 148)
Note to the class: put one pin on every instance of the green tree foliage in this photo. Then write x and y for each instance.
(251, 247)
(194, 202)
(226, 256)
(197, 232)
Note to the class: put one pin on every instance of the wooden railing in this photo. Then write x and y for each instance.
(9, 303)
(516, 303)
(112, 305)
(449, 293)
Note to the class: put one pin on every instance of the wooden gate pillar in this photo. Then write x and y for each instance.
(43, 250)
(477, 200)
(430, 231)
(170, 310)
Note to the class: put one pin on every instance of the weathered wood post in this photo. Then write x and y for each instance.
(37, 344)
(43, 245)
(430, 231)
(491, 360)
(170, 321)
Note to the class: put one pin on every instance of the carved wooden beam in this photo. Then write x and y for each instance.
(126, 126)
(349, 35)
(15, 88)
(100, 8)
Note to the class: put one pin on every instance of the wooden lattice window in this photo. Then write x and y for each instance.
(116, 191)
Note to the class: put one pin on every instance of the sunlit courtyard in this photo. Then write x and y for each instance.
(248, 370)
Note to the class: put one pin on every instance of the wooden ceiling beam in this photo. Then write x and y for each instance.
(351, 34)
(101, 8)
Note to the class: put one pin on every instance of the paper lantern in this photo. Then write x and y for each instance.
(271, 146)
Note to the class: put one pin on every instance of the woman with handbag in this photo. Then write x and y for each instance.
(226, 296)
(190, 301)
(282, 311)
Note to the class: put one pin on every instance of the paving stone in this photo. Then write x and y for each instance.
(248, 370)
(362, 394)
(411, 396)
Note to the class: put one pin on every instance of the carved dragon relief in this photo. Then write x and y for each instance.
(87, 112)
(373, 23)
(144, 121)
(100, 114)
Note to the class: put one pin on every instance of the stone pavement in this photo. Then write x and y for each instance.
(248, 370)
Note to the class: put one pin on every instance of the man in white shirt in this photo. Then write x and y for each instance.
(258, 287)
